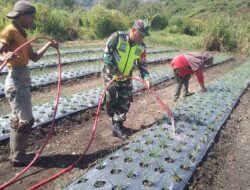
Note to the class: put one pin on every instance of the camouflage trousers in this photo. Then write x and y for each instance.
(118, 99)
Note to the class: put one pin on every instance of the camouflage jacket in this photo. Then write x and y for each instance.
(110, 64)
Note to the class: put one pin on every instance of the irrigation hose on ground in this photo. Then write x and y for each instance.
(8, 183)
(65, 170)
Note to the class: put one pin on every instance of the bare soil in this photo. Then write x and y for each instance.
(72, 134)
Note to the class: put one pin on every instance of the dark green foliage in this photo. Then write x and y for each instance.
(220, 35)
(104, 22)
(183, 25)
(159, 22)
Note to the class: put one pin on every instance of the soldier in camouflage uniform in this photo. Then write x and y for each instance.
(123, 51)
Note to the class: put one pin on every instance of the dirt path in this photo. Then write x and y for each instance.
(228, 164)
(67, 144)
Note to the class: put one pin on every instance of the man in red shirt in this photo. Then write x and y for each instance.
(187, 64)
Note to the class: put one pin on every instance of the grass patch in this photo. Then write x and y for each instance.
(176, 40)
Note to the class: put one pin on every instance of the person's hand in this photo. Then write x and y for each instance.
(8, 56)
(203, 89)
(54, 44)
(147, 83)
(118, 75)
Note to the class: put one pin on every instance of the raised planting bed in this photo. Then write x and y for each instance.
(85, 49)
(44, 78)
(161, 158)
(80, 101)
(67, 59)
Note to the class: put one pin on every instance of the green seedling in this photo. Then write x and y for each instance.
(211, 127)
(162, 143)
(185, 166)
(177, 177)
(145, 162)
(154, 152)
(178, 148)
(99, 184)
(131, 174)
(160, 168)
(149, 141)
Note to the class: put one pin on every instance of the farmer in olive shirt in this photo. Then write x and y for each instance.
(18, 82)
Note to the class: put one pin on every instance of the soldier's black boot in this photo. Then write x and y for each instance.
(117, 130)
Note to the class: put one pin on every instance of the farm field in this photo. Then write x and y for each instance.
(72, 134)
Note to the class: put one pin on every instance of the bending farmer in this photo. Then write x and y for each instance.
(187, 64)
(123, 51)
(18, 82)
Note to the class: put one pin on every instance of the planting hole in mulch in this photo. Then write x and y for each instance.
(115, 171)
(149, 142)
(82, 180)
(191, 157)
(169, 160)
(144, 164)
(159, 170)
(117, 187)
(147, 183)
(128, 159)
(185, 167)
(125, 149)
(177, 178)
(131, 175)
(99, 184)
(114, 157)
(163, 146)
(139, 150)
(100, 167)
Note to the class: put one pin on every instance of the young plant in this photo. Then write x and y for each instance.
(116, 169)
(211, 127)
(138, 148)
(178, 148)
(99, 183)
(176, 177)
(149, 181)
(160, 167)
(131, 174)
(185, 166)
(127, 158)
(149, 140)
(154, 152)
(169, 158)
(145, 162)
(162, 143)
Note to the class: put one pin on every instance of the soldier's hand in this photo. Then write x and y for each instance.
(54, 44)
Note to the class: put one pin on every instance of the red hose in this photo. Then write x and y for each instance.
(6, 184)
(51, 178)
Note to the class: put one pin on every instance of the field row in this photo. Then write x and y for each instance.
(46, 77)
(66, 59)
(80, 101)
(162, 158)
(88, 49)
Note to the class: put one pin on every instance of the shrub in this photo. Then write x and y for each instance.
(220, 35)
(182, 25)
(159, 22)
(56, 23)
(104, 22)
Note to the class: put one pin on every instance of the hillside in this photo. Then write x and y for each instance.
(193, 7)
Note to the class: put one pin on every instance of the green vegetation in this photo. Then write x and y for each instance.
(219, 25)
